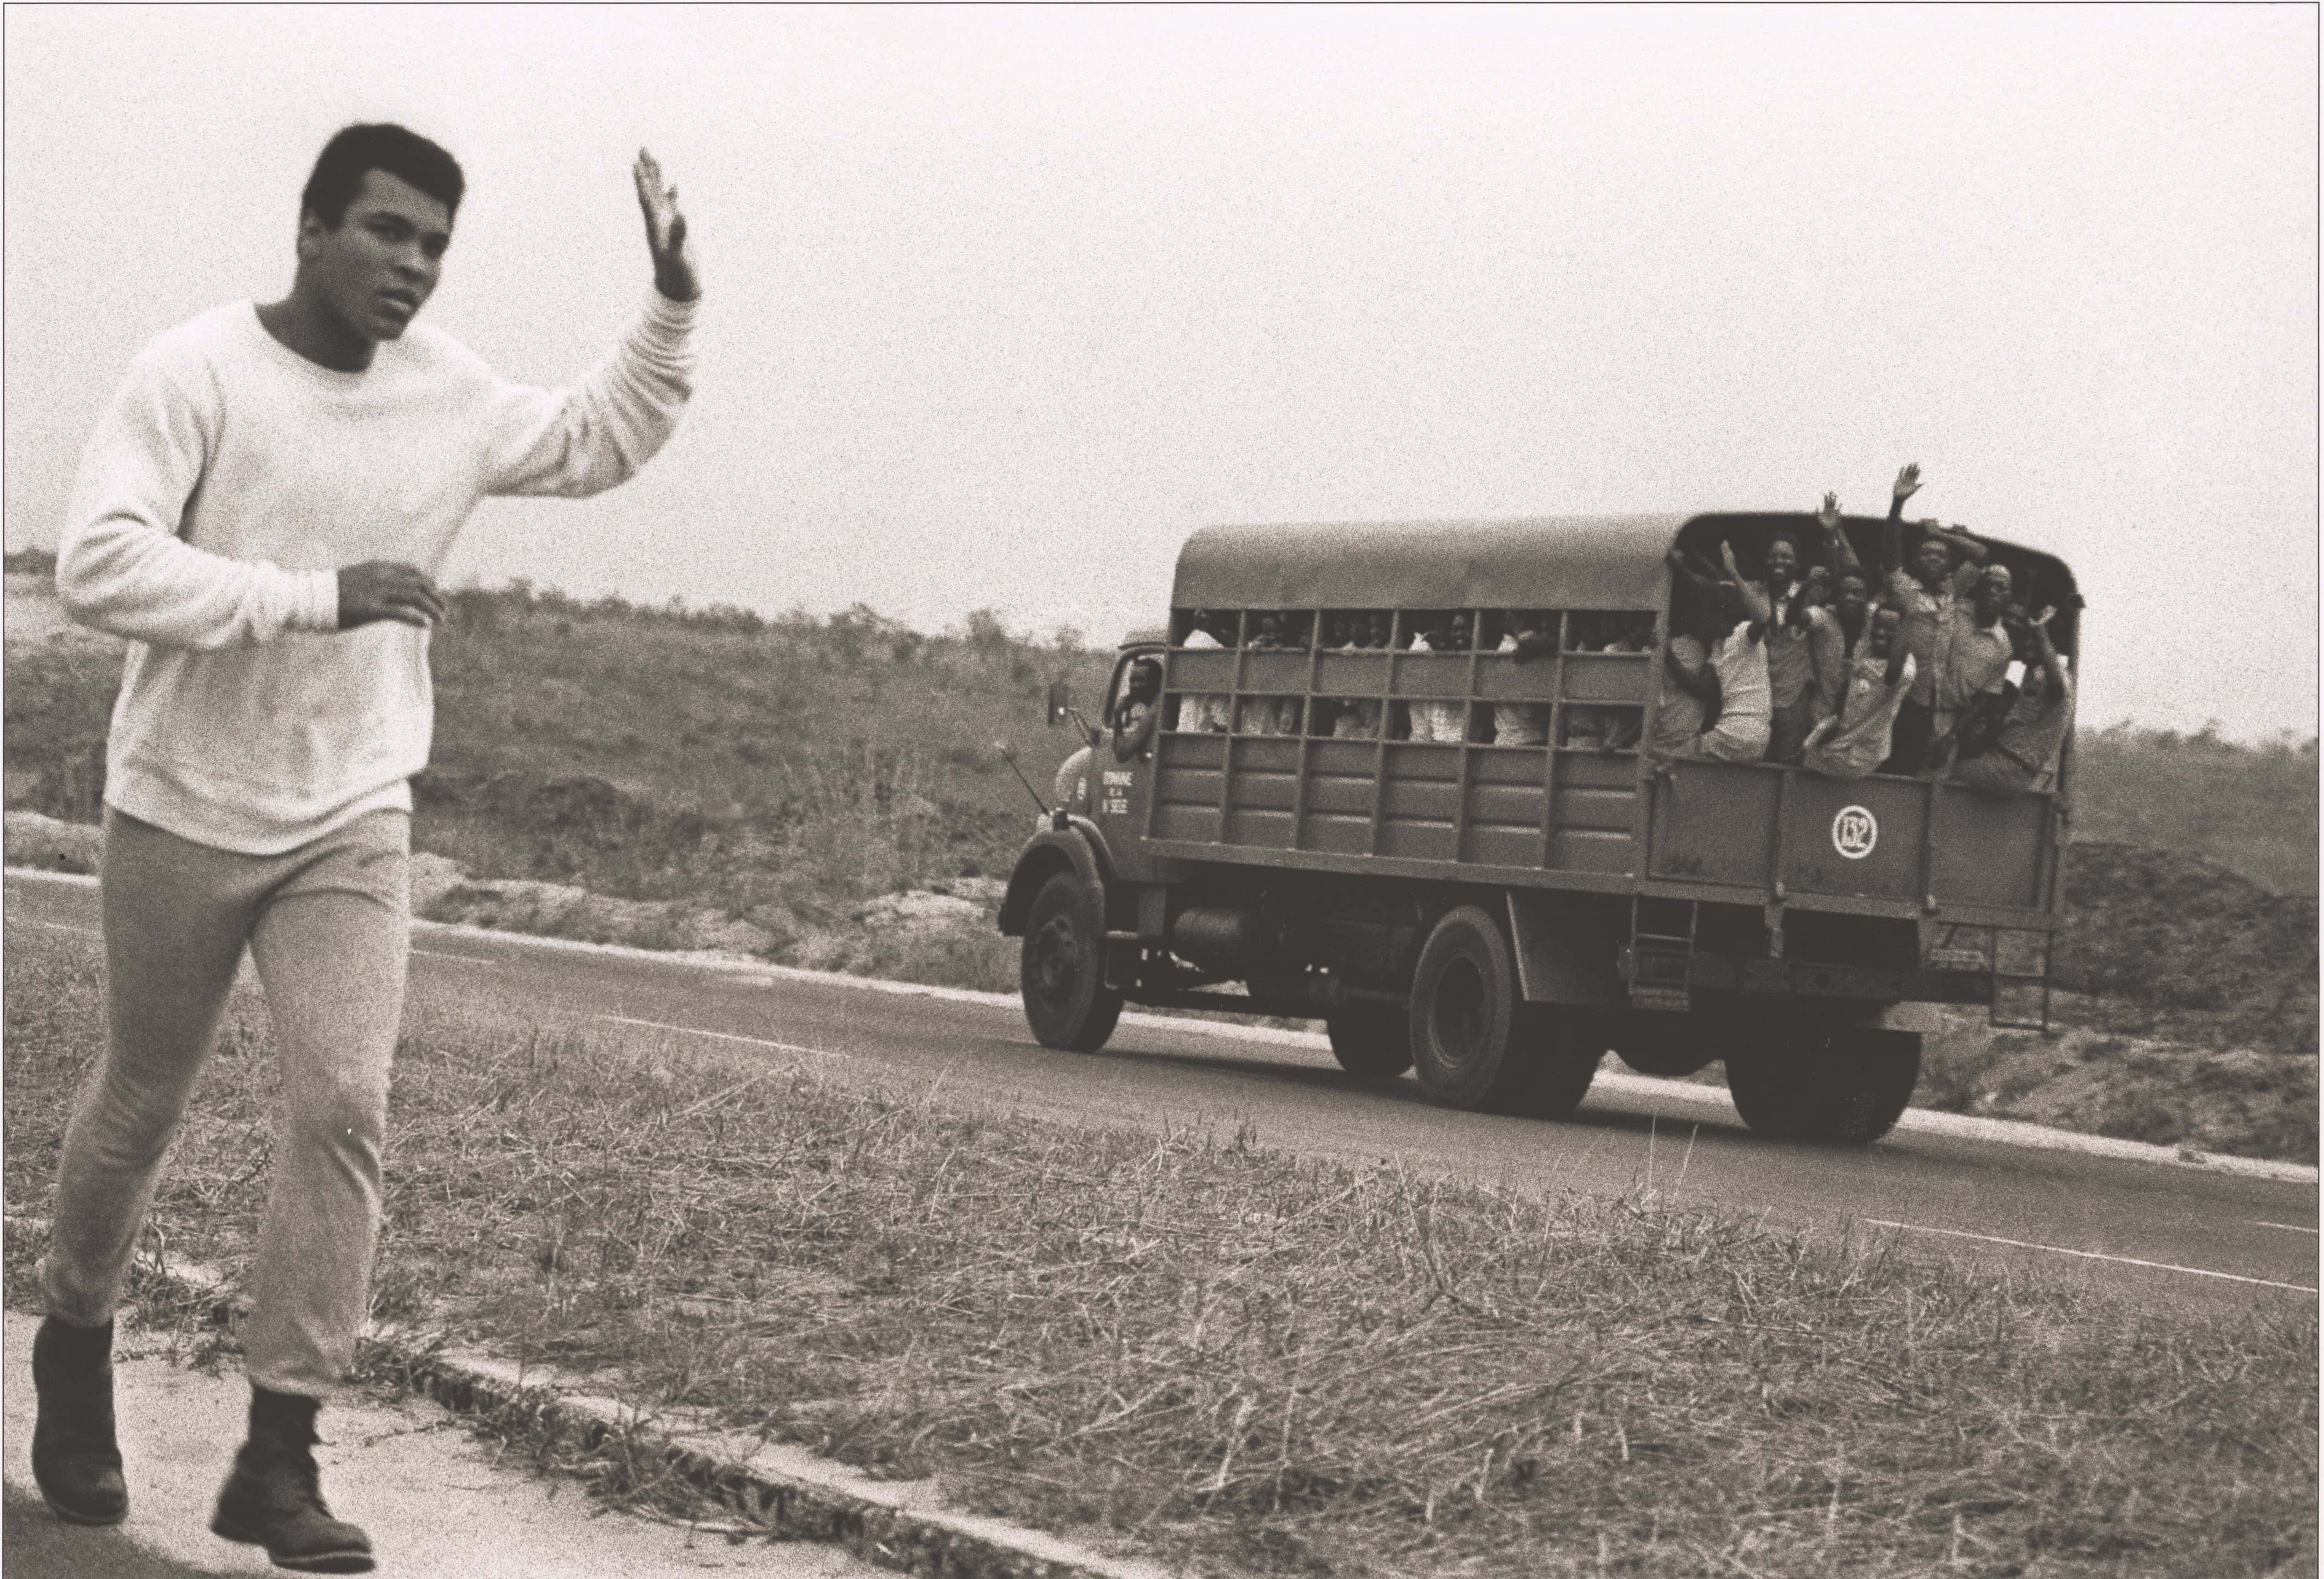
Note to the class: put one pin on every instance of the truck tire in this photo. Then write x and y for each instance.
(1847, 1088)
(1663, 1045)
(1475, 1044)
(1372, 1044)
(1061, 971)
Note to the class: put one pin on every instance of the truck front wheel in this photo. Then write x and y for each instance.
(1845, 1086)
(1475, 1043)
(1062, 970)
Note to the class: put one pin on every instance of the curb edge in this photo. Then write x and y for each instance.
(936, 1544)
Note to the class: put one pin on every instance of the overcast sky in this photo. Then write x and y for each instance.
(1000, 304)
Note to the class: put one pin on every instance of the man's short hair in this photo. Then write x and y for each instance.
(378, 146)
(1785, 535)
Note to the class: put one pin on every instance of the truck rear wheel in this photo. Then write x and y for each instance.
(1374, 1043)
(1061, 971)
(1475, 1043)
(1845, 1086)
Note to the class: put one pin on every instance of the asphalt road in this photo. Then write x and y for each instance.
(2158, 1232)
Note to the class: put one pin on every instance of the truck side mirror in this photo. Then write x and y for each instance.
(1061, 702)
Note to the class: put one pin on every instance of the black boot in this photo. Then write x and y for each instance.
(76, 1462)
(275, 1498)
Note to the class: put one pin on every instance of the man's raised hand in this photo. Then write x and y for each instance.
(383, 589)
(1829, 516)
(1908, 481)
(665, 231)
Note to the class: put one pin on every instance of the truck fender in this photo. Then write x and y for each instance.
(1551, 965)
(1077, 848)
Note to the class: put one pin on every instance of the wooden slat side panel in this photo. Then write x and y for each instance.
(1266, 753)
(1352, 674)
(1500, 845)
(1349, 758)
(1501, 677)
(1592, 850)
(1610, 810)
(1197, 822)
(1268, 830)
(1200, 671)
(1607, 677)
(1432, 674)
(1515, 764)
(1275, 791)
(1407, 762)
(1191, 749)
(1188, 786)
(1336, 834)
(1421, 799)
(1274, 672)
(1346, 795)
(1505, 803)
(1419, 841)
(1584, 769)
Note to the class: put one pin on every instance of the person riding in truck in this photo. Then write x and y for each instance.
(1797, 627)
(1446, 723)
(1732, 615)
(1942, 569)
(1134, 718)
(2022, 749)
(1526, 634)
(1974, 650)
(1856, 740)
(1200, 713)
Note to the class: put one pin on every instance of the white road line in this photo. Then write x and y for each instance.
(756, 1041)
(57, 927)
(2287, 1227)
(2090, 1255)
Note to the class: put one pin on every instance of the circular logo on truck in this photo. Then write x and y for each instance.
(1854, 832)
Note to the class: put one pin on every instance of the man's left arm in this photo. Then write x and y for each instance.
(589, 436)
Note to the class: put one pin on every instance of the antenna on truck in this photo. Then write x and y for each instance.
(1009, 755)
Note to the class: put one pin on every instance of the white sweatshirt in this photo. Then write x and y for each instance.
(229, 481)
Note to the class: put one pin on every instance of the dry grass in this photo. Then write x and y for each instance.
(2252, 809)
(1248, 1360)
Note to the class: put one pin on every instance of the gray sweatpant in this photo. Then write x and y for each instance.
(329, 927)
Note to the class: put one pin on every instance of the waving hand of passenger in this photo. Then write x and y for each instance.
(1908, 482)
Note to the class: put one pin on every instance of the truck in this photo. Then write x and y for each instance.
(1457, 855)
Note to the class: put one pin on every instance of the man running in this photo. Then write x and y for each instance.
(261, 512)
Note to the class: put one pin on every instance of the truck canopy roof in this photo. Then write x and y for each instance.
(1611, 562)
(1562, 562)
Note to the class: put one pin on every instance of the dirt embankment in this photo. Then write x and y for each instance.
(943, 917)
